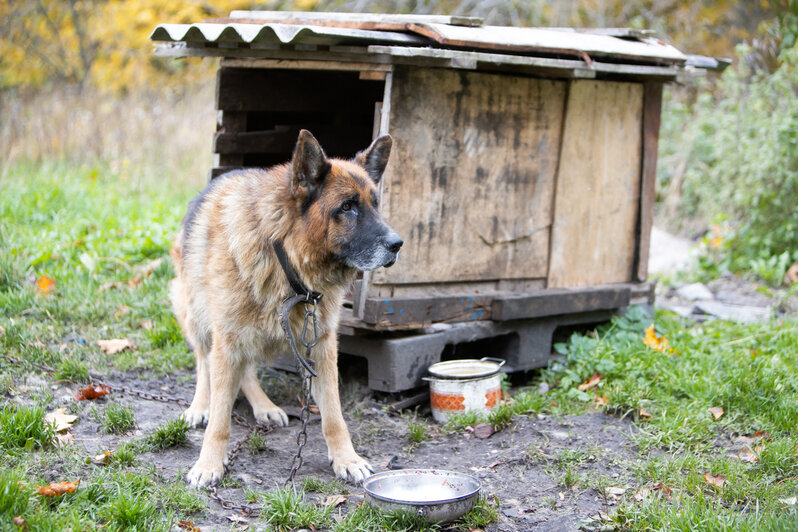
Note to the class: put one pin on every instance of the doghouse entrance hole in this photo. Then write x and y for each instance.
(266, 109)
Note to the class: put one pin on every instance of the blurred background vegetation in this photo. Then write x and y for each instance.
(79, 84)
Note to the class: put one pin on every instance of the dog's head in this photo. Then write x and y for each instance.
(339, 201)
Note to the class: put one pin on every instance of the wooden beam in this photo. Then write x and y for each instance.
(652, 109)
(283, 139)
(554, 302)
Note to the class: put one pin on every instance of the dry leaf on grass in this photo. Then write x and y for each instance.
(748, 455)
(20, 522)
(614, 492)
(716, 412)
(658, 343)
(144, 272)
(659, 486)
(115, 345)
(92, 391)
(60, 420)
(146, 324)
(589, 383)
(237, 519)
(45, 285)
(56, 489)
(188, 525)
(643, 413)
(335, 500)
(601, 400)
(715, 480)
(102, 459)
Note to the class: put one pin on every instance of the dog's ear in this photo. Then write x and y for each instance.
(375, 158)
(309, 164)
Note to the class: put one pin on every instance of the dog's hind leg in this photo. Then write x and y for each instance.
(264, 409)
(345, 461)
(225, 371)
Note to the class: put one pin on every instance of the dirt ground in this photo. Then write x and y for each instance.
(522, 465)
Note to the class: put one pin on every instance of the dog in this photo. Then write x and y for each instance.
(229, 285)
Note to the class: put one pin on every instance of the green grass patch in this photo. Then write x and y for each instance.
(333, 487)
(286, 509)
(118, 419)
(171, 434)
(22, 428)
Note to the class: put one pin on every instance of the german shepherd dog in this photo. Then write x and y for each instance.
(229, 284)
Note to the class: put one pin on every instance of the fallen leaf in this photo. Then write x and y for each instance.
(762, 435)
(483, 430)
(601, 400)
(64, 438)
(642, 494)
(102, 459)
(659, 486)
(235, 518)
(188, 525)
(562, 496)
(146, 324)
(144, 272)
(715, 480)
(60, 420)
(56, 489)
(589, 383)
(747, 455)
(116, 285)
(644, 414)
(92, 391)
(658, 343)
(716, 412)
(789, 501)
(116, 345)
(496, 464)
(45, 285)
(20, 522)
(334, 500)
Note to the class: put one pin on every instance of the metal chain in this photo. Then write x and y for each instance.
(302, 437)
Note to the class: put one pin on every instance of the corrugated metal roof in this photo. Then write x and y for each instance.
(212, 33)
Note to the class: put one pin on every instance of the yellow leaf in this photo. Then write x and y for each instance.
(45, 285)
(56, 489)
(60, 420)
(590, 383)
(652, 340)
(715, 480)
(644, 414)
(716, 412)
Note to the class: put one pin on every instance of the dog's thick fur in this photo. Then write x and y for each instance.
(229, 284)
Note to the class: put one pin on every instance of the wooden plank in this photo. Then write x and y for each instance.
(549, 41)
(469, 184)
(652, 109)
(242, 89)
(305, 64)
(421, 311)
(555, 302)
(567, 67)
(216, 171)
(596, 204)
(365, 19)
(283, 139)
(231, 122)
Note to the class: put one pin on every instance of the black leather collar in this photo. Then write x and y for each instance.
(293, 278)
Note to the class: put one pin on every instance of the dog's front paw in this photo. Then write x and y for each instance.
(271, 416)
(202, 475)
(195, 417)
(352, 468)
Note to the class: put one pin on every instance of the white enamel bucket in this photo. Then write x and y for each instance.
(458, 386)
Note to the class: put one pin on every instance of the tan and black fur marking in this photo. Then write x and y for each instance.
(229, 284)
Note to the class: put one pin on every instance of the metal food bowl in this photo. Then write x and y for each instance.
(438, 496)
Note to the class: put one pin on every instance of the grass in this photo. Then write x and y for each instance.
(117, 419)
(171, 434)
(22, 428)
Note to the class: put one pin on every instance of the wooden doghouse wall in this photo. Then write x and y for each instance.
(262, 111)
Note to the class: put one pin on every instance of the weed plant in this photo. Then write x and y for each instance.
(171, 434)
(118, 419)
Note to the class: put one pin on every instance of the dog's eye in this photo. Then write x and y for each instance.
(346, 206)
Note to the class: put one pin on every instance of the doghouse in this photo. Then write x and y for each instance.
(522, 175)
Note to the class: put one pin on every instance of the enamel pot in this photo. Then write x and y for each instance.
(458, 386)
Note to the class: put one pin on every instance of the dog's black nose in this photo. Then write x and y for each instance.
(394, 243)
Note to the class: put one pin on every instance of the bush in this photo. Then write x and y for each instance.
(734, 162)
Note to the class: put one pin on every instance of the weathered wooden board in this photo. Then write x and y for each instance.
(283, 139)
(471, 179)
(554, 302)
(652, 107)
(549, 41)
(596, 204)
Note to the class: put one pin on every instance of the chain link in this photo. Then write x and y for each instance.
(302, 437)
